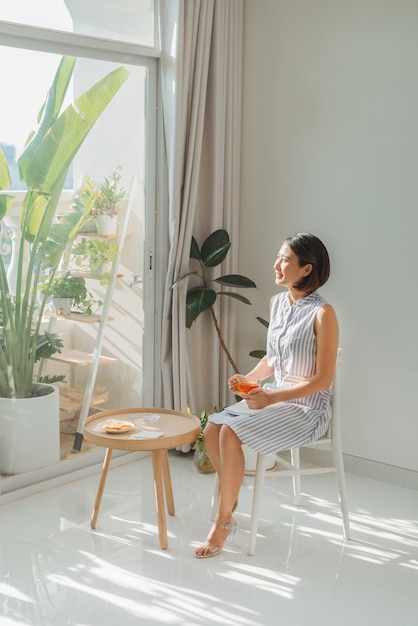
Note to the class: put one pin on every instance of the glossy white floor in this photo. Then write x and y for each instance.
(56, 571)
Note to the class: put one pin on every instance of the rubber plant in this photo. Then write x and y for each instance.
(43, 167)
(202, 297)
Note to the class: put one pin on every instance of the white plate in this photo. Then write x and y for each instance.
(148, 418)
(117, 431)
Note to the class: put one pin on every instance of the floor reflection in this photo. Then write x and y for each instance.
(56, 571)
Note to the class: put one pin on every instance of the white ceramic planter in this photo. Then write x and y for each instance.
(106, 225)
(29, 432)
(62, 306)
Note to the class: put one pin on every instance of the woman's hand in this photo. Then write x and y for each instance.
(234, 381)
(258, 398)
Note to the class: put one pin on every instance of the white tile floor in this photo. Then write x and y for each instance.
(56, 571)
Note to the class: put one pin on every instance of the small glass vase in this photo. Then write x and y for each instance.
(202, 462)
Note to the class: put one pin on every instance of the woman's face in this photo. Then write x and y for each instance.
(287, 269)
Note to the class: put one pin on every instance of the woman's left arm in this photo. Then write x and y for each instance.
(327, 337)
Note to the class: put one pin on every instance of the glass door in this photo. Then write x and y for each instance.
(124, 137)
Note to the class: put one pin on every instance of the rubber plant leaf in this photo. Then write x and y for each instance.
(236, 280)
(258, 354)
(215, 248)
(190, 317)
(200, 299)
(181, 278)
(263, 321)
(237, 296)
(194, 250)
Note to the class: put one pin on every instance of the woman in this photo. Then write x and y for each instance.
(302, 344)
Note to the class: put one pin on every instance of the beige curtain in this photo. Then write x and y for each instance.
(201, 88)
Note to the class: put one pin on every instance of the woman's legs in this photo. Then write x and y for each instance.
(225, 451)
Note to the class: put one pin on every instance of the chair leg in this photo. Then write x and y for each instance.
(342, 491)
(295, 460)
(258, 492)
(215, 498)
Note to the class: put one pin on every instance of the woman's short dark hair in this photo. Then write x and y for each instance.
(310, 249)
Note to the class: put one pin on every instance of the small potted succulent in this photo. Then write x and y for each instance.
(105, 199)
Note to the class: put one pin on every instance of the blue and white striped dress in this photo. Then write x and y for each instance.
(291, 350)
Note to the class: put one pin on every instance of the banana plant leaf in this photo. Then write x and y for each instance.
(5, 183)
(43, 167)
(44, 164)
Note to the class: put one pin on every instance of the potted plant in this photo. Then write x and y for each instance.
(201, 460)
(94, 256)
(104, 200)
(66, 291)
(70, 292)
(25, 429)
(202, 297)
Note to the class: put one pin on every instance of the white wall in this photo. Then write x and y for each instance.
(330, 129)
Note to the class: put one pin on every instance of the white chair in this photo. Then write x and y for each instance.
(331, 441)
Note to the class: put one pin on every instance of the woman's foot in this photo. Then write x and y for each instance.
(216, 539)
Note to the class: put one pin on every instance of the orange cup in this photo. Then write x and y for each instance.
(245, 386)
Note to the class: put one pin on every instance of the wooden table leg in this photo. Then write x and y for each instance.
(157, 466)
(167, 482)
(105, 469)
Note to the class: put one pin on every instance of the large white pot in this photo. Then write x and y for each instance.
(29, 432)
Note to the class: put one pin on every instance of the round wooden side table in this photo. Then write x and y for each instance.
(178, 429)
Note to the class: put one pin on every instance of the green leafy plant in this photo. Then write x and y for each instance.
(43, 167)
(67, 286)
(202, 297)
(74, 288)
(204, 416)
(93, 255)
(201, 460)
(101, 198)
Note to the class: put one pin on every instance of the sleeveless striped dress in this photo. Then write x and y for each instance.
(291, 350)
